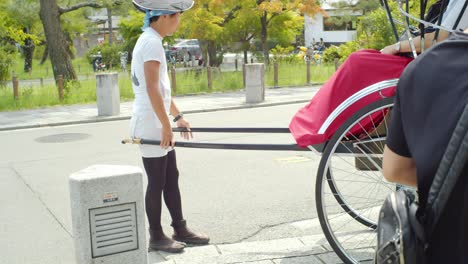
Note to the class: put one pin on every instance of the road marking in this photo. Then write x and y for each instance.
(294, 159)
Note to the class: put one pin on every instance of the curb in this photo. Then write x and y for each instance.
(126, 117)
(307, 249)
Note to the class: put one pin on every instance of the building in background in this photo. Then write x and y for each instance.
(101, 18)
(336, 28)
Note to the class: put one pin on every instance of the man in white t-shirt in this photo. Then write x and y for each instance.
(150, 120)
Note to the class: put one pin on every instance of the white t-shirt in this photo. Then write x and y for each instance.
(145, 123)
(452, 13)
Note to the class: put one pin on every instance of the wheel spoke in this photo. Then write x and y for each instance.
(350, 185)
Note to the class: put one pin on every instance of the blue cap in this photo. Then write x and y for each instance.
(153, 13)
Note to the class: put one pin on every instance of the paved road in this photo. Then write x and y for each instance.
(232, 195)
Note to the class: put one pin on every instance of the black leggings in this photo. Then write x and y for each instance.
(163, 178)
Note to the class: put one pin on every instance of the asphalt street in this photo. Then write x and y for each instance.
(232, 195)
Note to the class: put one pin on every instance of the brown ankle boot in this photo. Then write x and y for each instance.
(159, 241)
(183, 234)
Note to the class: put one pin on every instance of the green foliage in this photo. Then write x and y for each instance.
(346, 49)
(110, 53)
(38, 51)
(6, 62)
(285, 27)
(242, 28)
(295, 74)
(130, 29)
(374, 30)
(341, 52)
(330, 54)
(188, 82)
(368, 5)
(10, 32)
(285, 54)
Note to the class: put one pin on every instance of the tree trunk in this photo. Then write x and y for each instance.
(56, 41)
(246, 59)
(214, 61)
(264, 38)
(28, 50)
(69, 41)
(204, 48)
(44, 55)
(109, 21)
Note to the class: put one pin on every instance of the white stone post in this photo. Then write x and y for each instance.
(254, 83)
(108, 216)
(193, 61)
(108, 94)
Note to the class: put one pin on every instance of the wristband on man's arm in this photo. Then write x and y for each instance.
(177, 117)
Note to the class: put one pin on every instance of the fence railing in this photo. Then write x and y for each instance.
(31, 93)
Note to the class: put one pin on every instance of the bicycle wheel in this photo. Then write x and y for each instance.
(350, 187)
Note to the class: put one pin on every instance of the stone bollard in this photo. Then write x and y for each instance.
(108, 216)
(254, 83)
(107, 94)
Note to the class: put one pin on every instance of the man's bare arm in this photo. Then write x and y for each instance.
(399, 169)
(405, 46)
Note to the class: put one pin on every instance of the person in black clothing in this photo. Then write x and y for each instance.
(431, 95)
(97, 61)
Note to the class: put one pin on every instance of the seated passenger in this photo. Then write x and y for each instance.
(361, 69)
(430, 97)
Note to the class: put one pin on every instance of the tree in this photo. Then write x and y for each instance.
(243, 28)
(117, 7)
(7, 49)
(205, 21)
(270, 9)
(215, 22)
(11, 33)
(57, 43)
(130, 29)
(24, 14)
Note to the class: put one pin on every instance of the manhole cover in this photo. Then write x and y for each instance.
(61, 138)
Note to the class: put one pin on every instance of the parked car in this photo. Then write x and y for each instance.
(185, 49)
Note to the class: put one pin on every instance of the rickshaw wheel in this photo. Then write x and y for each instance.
(350, 187)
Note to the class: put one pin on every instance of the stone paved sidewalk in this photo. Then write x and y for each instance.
(75, 114)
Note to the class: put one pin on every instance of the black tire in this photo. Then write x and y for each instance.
(347, 185)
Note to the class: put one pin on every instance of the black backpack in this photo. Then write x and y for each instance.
(404, 229)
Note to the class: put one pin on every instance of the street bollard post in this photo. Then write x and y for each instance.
(255, 83)
(108, 216)
(108, 94)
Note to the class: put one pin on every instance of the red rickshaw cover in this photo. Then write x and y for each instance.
(361, 69)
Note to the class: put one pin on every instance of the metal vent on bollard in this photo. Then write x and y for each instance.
(113, 229)
(108, 216)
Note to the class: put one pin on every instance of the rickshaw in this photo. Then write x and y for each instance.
(350, 187)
